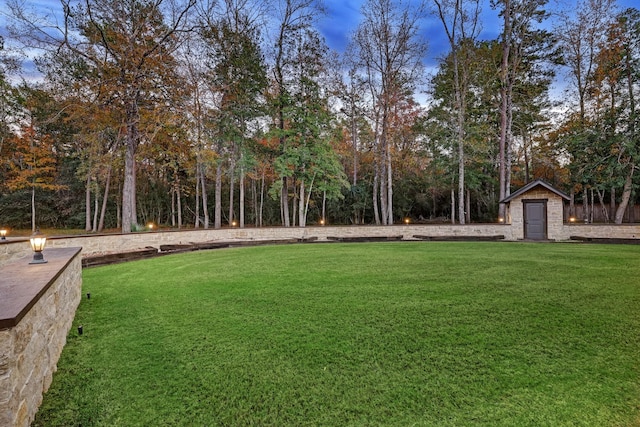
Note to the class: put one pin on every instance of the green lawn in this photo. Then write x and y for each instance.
(393, 334)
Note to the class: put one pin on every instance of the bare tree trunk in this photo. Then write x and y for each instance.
(504, 76)
(196, 225)
(375, 197)
(461, 179)
(585, 205)
(118, 213)
(603, 207)
(179, 203)
(389, 187)
(354, 143)
(232, 172)
(105, 199)
(468, 211)
(173, 206)
(626, 195)
(33, 209)
(94, 228)
(262, 185)
(301, 199)
(384, 216)
(241, 206)
(324, 206)
(218, 207)
(294, 205)
(453, 206)
(129, 211)
(205, 198)
(284, 200)
(254, 200)
(87, 202)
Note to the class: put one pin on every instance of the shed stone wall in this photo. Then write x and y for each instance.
(555, 217)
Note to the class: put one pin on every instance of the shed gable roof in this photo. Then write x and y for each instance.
(530, 186)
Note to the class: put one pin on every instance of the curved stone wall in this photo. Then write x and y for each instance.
(116, 243)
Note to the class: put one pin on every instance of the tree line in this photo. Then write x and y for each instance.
(191, 113)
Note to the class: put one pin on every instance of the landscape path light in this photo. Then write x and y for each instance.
(3, 234)
(38, 240)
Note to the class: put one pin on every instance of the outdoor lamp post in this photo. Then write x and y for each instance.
(3, 234)
(37, 244)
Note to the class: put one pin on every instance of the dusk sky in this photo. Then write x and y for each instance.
(343, 17)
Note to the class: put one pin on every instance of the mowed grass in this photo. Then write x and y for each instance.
(390, 334)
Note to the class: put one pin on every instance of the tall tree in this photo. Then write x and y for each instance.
(460, 19)
(130, 46)
(308, 160)
(293, 18)
(389, 52)
(32, 159)
(519, 39)
(238, 77)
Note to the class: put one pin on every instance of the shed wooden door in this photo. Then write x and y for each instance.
(535, 219)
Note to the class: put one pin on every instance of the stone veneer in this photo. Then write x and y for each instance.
(555, 214)
(513, 229)
(37, 307)
(115, 243)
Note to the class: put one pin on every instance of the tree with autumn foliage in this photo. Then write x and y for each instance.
(129, 46)
(389, 52)
(31, 165)
(601, 137)
(237, 77)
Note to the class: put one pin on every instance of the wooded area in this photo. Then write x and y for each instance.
(191, 113)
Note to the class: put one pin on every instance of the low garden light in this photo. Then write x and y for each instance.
(572, 219)
(322, 221)
(233, 223)
(501, 220)
(38, 241)
(150, 226)
(407, 221)
(3, 234)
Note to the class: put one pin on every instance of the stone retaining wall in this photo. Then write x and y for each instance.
(37, 307)
(114, 243)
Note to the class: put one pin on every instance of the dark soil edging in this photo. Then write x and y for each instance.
(461, 238)
(607, 240)
(151, 252)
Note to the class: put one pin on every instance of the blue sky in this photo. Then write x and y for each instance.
(344, 15)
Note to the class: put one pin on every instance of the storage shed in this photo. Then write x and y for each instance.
(536, 211)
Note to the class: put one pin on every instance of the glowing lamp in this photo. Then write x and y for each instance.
(500, 220)
(3, 234)
(37, 245)
(407, 220)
